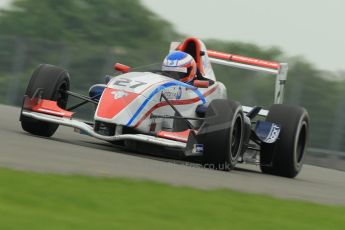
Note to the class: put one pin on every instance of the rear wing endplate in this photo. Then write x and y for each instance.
(275, 68)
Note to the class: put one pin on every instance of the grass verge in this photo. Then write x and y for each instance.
(46, 201)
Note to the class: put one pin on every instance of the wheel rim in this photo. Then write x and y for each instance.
(62, 97)
(236, 137)
(302, 138)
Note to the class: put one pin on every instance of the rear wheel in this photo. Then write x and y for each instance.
(285, 157)
(54, 81)
(222, 134)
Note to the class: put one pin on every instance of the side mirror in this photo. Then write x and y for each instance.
(201, 84)
(122, 68)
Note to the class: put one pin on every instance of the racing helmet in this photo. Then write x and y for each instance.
(180, 66)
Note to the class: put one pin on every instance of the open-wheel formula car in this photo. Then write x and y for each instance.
(154, 110)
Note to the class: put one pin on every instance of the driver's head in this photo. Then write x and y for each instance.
(180, 66)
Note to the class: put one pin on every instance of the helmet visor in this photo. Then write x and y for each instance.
(175, 74)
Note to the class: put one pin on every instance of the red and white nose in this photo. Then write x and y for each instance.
(113, 101)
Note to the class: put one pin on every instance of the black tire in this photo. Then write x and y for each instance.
(285, 157)
(53, 80)
(222, 134)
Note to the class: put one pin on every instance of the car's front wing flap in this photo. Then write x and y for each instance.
(89, 130)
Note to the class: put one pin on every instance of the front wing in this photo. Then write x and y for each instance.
(82, 126)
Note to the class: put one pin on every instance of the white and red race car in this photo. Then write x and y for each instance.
(153, 112)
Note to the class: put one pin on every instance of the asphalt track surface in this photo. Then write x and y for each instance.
(70, 153)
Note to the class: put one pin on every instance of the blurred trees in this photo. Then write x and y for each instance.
(106, 22)
(84, 36)
(88, 36)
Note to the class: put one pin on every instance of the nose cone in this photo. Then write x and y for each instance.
(113, 101)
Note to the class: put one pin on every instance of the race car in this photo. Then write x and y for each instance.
(153, 111)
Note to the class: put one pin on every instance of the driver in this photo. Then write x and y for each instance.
(180, 66)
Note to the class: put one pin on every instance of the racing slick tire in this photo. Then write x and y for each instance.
(222, 134)
(285, 156)
(54, 81)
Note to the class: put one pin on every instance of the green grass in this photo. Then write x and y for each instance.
(45, 201)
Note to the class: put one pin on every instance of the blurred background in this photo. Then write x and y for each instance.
(88, 36)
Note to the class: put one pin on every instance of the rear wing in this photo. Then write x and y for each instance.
(275, 68)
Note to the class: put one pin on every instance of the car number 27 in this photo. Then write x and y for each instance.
(125, 82)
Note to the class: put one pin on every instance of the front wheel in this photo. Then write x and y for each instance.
(54, 81)
(285, 157)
